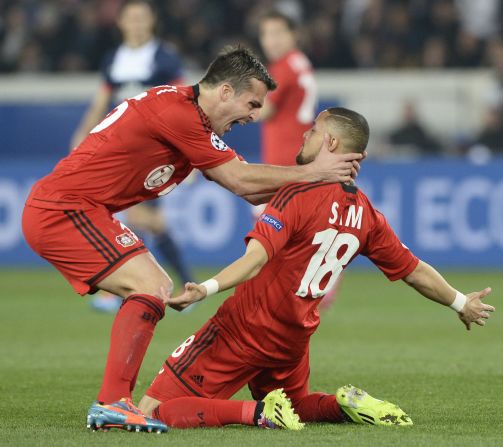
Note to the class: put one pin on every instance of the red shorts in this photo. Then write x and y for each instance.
(211, 364)
(85, 246)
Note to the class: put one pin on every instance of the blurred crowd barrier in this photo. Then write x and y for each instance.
(447, 209)
(39, 113)
(449, 213)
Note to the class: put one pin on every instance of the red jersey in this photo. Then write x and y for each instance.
(311, 232)
(141, 150)
(295, 102)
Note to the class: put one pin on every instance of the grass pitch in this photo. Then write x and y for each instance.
(380, 336)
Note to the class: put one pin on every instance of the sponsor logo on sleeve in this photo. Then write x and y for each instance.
(272, 221)
(217, 143)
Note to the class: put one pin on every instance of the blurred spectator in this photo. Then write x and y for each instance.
(434, 53)
(364, 51)
(468, 51)
(62, 35)
(494, 57)
(491, 135)
(14, 37)
(411, 135)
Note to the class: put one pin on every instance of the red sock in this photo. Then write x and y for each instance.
(319, 407)
(132, 331)
(193, 412)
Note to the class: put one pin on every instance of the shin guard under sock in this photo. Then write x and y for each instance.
(132, 331)
(193, 412)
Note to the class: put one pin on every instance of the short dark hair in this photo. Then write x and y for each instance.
(148, 3)
(354, 127)
(237, 66)
(274, 14)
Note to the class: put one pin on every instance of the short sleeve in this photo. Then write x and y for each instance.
(387, 252)
(183, 126)
(274, 228)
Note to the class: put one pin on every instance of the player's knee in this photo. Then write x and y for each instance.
(153, 283)
(156, 286)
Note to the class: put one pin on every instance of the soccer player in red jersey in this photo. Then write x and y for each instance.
(140, 62)
(290, 110)
(142, 150)
(309, 233)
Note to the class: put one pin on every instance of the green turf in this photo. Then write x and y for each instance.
(379, 336)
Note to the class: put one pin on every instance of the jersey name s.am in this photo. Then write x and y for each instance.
(143, 149)
(295, 101)
(311, 232)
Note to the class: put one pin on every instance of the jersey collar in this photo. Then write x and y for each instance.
(195, 90)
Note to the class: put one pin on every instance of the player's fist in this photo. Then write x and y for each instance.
(474, 310)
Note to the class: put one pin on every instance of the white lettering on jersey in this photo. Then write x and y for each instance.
(333, 218)
(116, 113)
(354, 219)
(326, 263)
(168, 89)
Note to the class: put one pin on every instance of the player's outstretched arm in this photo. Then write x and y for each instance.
(246, 267)
(431, 284)
(246, 179)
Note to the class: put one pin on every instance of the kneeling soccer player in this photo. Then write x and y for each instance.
(306, 236)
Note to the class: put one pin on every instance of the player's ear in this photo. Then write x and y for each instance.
(226, 91)
(334, 143)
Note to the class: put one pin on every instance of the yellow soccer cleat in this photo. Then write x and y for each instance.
(364, 409)
(278, 412)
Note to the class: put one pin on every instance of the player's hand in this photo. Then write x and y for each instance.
(164, 294)
(336, 167)
(193, 292)
(475, 311)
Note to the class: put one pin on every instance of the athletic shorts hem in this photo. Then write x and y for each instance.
(112, 267)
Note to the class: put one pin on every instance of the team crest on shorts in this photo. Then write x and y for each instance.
(125, 239)
(217, 143)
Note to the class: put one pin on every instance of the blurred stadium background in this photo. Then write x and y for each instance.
(427, 74)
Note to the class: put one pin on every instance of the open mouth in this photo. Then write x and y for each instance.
(241, 122)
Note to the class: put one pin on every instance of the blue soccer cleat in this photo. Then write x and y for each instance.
(122, 414)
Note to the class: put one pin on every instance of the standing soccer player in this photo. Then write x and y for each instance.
(260, 336)
(140, 62)
(290, 110)
(142, 150)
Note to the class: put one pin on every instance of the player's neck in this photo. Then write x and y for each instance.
(137, 42)
(207, 99)
(282, 55)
